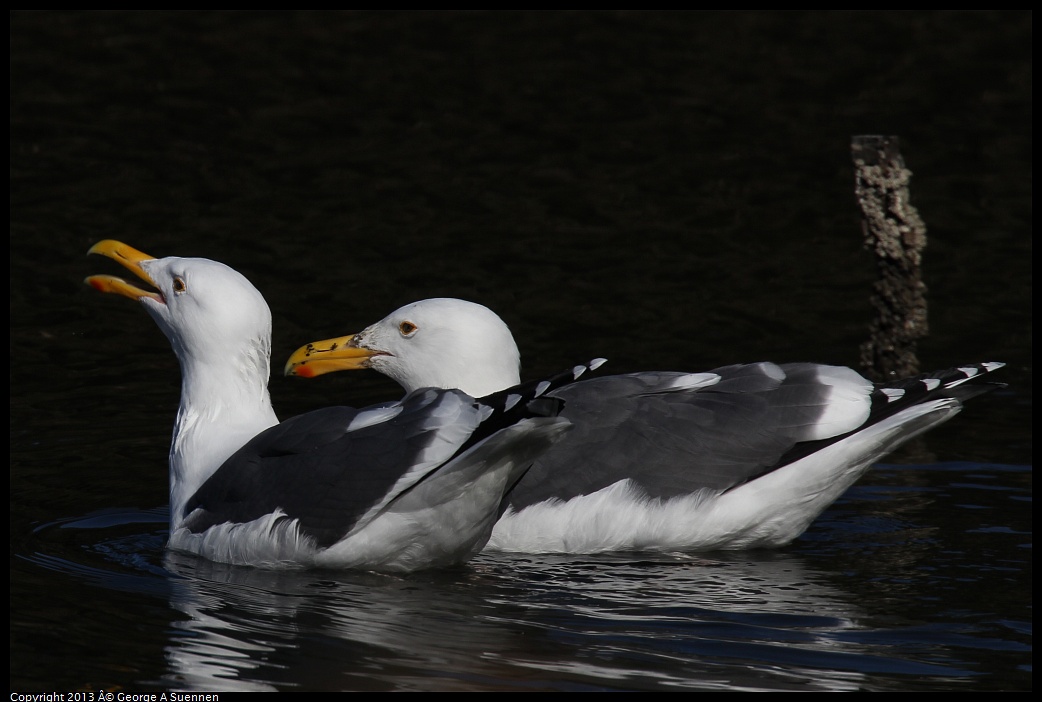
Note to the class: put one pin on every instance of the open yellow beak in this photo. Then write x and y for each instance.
(130, 258)
(329, 356)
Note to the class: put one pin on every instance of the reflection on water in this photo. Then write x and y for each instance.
(642, 624)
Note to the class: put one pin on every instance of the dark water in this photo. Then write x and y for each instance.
(671, 191)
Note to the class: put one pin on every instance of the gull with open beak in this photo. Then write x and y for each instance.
(397, 487)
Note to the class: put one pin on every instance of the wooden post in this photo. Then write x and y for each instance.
(896, 234)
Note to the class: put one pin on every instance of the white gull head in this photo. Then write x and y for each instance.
(443, 343)
(220, 328)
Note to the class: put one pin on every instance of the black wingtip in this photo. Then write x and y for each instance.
(528, 393)
(961, 382)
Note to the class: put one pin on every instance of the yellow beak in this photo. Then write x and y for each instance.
(329, 356)
(130, 258)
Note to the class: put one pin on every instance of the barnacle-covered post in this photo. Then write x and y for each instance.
(896, 234)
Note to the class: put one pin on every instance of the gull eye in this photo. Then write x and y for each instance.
(407, 328)
(179, 285)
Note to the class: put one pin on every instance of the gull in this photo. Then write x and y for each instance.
(739, 457)
(416, 483)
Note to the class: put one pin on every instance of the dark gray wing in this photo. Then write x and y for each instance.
(755, 418)
(330, 467)
(670, 440)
